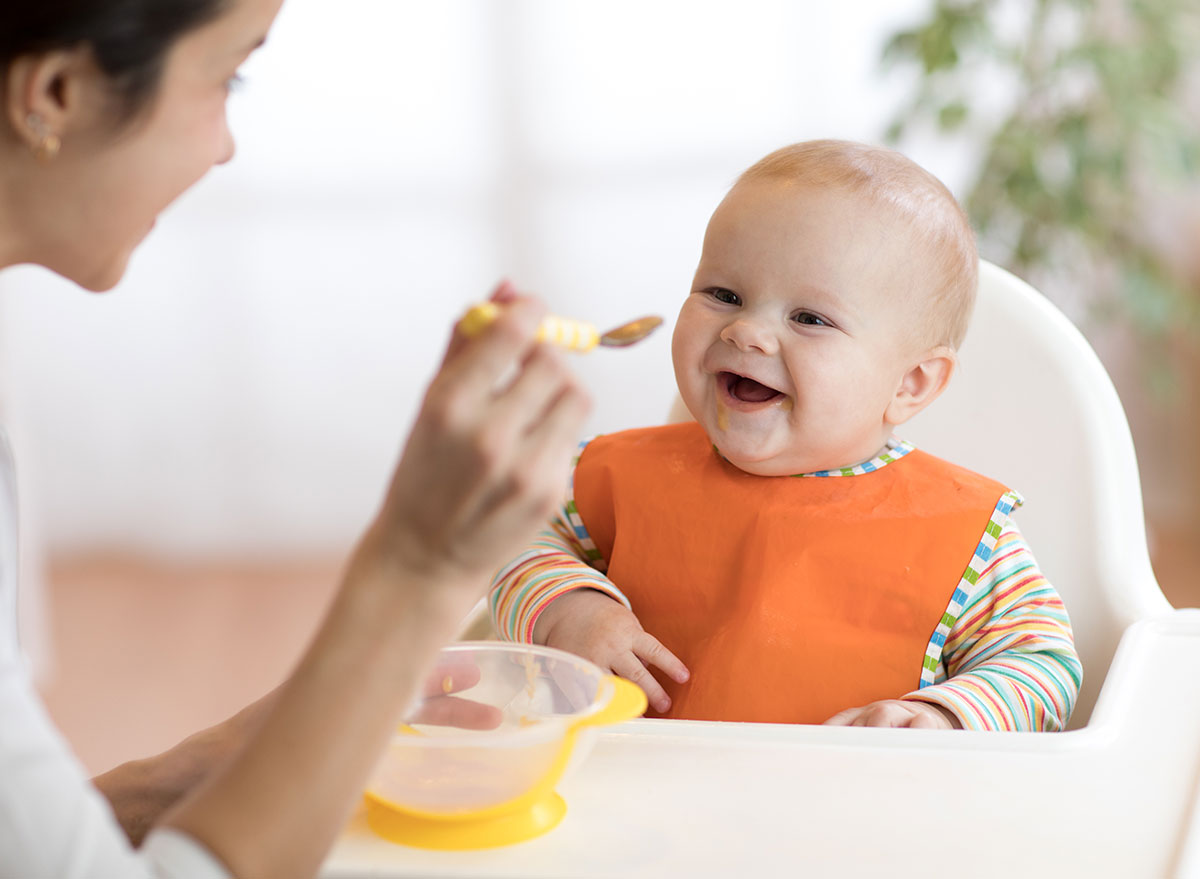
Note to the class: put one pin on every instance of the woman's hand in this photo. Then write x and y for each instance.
(440, 707)
(488, 457)
(485, 464)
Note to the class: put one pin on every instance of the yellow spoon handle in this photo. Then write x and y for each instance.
(574, 335)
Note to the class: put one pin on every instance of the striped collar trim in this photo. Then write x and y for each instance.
(894, 451)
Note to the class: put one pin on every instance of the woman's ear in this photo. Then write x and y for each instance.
(922, 384)
(42, 93)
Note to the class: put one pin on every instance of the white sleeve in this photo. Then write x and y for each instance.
(53, 822)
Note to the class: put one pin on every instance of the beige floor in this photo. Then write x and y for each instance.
(147, 652)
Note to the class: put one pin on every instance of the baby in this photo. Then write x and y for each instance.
(785, 558)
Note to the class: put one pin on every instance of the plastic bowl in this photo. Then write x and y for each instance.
(477, 760)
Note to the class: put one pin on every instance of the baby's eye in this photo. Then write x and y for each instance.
(812, 320)
(722, 295)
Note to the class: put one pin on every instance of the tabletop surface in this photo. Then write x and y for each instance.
(677, 798)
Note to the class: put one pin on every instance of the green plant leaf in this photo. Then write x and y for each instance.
(1092, 127)
(952, 116)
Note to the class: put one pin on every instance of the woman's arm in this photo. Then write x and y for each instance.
(482, 469)
(141, 791)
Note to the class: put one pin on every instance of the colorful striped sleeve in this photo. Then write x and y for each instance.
(559, 560)
(1009, 662)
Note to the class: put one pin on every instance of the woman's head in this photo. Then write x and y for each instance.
(128, 39)
(112, 109)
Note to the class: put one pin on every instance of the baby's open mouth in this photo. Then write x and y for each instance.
(747, 390)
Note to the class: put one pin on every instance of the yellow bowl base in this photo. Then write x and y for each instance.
(466, 832)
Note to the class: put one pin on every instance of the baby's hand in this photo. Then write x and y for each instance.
(590, 624)
(897, 712)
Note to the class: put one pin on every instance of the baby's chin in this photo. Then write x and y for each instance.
(758, 465)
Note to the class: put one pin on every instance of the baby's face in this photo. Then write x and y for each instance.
(798, 329)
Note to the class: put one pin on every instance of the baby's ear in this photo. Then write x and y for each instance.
(922, 384)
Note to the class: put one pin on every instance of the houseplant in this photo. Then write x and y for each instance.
(1086, 119)
(1090, 148)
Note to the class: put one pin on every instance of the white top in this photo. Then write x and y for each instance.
(53, 822)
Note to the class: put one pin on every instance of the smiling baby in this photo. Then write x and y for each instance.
(785, 557)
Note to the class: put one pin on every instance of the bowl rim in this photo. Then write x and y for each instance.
(548, 730)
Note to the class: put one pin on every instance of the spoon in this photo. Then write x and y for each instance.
(574, 335)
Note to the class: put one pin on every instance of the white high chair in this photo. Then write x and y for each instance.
(1115, 796)
(1032, 407)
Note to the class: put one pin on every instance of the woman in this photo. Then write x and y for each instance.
(111, 110)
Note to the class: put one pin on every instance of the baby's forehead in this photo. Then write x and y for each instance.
(902, 208)
(926, 244)
(871, 231)
(880, 260)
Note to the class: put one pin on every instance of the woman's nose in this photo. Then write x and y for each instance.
(227, 147)
(747, 334)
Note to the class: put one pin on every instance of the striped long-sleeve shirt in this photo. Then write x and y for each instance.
(1008, 663)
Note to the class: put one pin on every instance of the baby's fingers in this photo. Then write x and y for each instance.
(894, 713)
(630, 667)
(650, 651)
(845, 718)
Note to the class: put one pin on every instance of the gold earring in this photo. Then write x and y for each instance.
(48, 143)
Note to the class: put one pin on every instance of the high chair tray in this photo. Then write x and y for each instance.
(678, 798)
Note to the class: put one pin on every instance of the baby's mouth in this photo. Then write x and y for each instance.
(746, 390)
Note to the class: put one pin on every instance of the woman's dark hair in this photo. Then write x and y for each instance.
(129, 39)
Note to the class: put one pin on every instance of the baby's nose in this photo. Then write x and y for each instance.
(747, 334)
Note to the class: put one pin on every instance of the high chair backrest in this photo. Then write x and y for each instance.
(1032, 406)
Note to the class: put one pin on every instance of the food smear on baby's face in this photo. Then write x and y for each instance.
(722, 415)
(786, 405)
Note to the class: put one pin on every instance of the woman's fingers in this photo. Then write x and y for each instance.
(451, 676)
(529, 431)
(457, 712)
(504, 293)
(506, 342)
(544, 452)
(507, 419)
(520, 410)
(487, 458)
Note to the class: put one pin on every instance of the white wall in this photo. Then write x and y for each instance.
(245, 389)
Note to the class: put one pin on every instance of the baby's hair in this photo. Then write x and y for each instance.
(890, 178)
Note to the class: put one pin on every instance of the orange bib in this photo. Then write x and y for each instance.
(788, 598)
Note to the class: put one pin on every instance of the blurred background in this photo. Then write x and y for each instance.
(199, 448)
